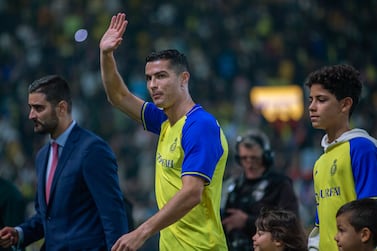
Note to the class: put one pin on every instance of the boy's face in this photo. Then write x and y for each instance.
(325, 111)
(346, 237)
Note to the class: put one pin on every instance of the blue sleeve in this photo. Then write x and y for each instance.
(32, 228)
(201, 143)
(364, 167)
(152, 117)
(316, 220)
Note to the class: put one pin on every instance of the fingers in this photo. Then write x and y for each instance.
(231, 211)
(6, 240)
(119, 21)
(115, 246)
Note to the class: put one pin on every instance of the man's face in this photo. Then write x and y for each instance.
(251, 160)
(164, 85)
(42, 113)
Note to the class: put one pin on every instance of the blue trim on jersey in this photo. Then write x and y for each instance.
(364, 158)
(201, 139)
(155, 118)
(201, 142)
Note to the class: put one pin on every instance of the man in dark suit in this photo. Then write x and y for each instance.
(84, 208)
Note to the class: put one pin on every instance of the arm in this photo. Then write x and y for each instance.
(100, 173)
(364, 167)
(183, 201)
(117, 92)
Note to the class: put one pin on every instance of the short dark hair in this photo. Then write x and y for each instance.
(54, 87)
(284, 226)
(177, 60)
(362, 214)
(341, 80)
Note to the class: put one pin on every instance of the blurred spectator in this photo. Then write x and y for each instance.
(258, 186)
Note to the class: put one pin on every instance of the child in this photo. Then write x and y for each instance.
(357, 226)
(347, 169)
(279, 230)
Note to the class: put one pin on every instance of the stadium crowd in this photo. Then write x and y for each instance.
(232, 46)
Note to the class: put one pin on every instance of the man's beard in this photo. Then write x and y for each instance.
(47, 127)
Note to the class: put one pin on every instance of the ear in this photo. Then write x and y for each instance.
(346, 103)
(185, 76)
(62, 107)
(278, 244)
(365, 234)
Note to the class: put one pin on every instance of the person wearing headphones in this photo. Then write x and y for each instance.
(258, 187)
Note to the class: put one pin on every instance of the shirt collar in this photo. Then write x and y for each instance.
(62, 139)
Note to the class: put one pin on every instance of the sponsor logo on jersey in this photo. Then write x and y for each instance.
(169, 163)
(333, 167)
(327, 193)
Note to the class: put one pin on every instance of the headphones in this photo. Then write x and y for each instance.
(260, 139)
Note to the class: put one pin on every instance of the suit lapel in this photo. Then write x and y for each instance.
(67, 150)
(41, 166)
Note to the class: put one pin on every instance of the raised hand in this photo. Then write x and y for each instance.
(113, 36)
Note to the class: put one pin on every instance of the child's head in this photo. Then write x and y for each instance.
(357, 225)
(341, 80)
(279, 230)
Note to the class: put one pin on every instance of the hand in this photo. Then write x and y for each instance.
(8, 237)
(113, 36)
(236, 219)
(129, 242)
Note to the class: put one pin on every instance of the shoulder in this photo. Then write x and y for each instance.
(201, 125)
(362, 141)
(362, 146)
(201, 118)
(86, 137)
(278, 178)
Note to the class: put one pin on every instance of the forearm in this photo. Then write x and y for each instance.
(111, 79)
(175, 209)
(116, 90)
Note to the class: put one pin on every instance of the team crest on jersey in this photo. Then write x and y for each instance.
(174, 145)
(333, 167)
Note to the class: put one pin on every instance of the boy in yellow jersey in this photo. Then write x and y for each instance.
(347, 170)
(191, 152)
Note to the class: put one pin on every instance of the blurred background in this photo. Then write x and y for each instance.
(233, 46)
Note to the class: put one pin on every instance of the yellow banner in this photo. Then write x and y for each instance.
(278, 102)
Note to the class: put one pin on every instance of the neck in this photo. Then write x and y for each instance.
(333, 135)
(175, 113)
(64, 124)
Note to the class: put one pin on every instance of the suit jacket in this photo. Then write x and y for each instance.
(86, 209)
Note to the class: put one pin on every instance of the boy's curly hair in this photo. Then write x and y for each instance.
(341, 80)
